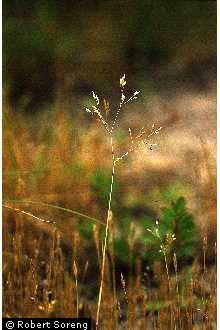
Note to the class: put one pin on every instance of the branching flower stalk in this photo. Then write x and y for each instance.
(141, 140)
(164, 247)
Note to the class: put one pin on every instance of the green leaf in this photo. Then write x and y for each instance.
(179, 205)
(121, 249)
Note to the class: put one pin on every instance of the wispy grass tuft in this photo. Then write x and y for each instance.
(142, 139)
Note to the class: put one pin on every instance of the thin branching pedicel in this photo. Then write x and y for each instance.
(137, 142)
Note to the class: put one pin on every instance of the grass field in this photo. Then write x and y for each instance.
(135, 249)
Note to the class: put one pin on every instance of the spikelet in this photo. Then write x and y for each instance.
(122, 81)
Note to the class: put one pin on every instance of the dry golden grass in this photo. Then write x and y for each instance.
(51, 283)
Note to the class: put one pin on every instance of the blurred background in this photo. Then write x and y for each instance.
(55, 53)
(61, 50)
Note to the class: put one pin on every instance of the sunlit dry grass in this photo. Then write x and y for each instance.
(53, 283)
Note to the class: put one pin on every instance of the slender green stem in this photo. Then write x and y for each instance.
(109, 215)
(54, 207)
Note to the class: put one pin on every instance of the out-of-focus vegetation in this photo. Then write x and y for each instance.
(161, 251)
(55, 49)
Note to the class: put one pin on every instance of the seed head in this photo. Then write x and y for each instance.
(122, 81)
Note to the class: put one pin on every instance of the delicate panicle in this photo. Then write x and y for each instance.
(106, 107)
(95, 96)
(158, 130)
(142, 143)
(142, 135)
(122, 81)
(95, 111)
(122, 98)
(133, 97)
(136, 93)
(131, 137)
